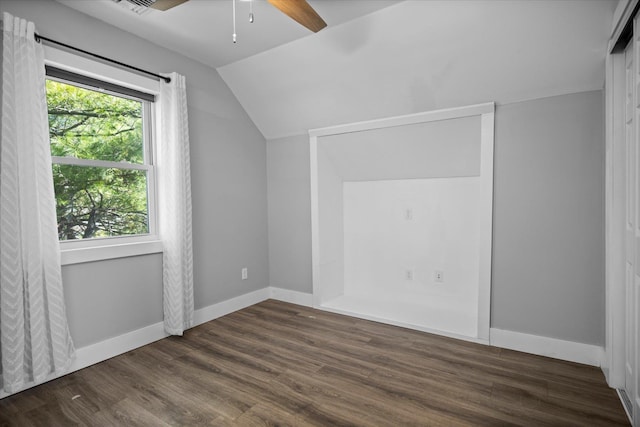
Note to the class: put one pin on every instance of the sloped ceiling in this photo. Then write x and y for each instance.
(423, 55)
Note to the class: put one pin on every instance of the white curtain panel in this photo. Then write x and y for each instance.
(174, 205)
(34, 334)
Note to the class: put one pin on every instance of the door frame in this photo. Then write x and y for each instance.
(615, 200)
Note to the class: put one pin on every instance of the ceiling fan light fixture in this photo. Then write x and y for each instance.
(299, 10)
(234, 20)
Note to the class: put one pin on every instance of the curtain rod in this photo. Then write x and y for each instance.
(38, 38)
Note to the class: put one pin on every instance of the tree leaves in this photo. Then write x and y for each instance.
(95, 201)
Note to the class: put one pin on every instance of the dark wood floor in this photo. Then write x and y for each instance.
(281, 364)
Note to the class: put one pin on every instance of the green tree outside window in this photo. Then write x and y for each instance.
(90, 131)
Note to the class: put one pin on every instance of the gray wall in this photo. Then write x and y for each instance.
(228, 171)
(106, 298)
(548, 244)
(289, 213)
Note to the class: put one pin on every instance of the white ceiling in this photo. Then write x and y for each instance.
(382, 58)
(423, 55)
(202, 29)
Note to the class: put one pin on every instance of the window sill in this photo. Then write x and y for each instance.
(100, 253)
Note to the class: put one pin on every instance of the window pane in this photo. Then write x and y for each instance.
(87, 124)
(100, 202)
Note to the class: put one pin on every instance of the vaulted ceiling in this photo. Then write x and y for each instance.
(424, 55)
(382, 58)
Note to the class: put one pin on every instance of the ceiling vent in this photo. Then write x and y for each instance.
(140, 7)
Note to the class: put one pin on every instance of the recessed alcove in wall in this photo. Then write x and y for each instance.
(401, 220)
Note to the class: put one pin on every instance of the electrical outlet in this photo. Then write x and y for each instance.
(439, 276)
(408, 274)
(245, 273)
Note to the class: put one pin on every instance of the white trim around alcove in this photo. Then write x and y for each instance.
(486, 112)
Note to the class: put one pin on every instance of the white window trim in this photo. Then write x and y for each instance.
(110, 249)
(81, 251)
(100, 163)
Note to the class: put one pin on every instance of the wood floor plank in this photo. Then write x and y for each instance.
(429, 399)
(311, 347)
(276, 363)
(28, 401)
(446, 365)
(279, 357)
(332, 403)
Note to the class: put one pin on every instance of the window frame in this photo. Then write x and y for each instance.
(96, 249)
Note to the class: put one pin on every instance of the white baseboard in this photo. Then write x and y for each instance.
(103, 350)
(223, 308)
(551, 347)
(294, 297)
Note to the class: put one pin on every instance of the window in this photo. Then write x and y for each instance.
(102, 157)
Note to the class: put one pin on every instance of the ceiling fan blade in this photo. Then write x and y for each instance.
(302, 12)
(166, 4)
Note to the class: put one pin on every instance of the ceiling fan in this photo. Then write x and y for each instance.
(298, 10)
